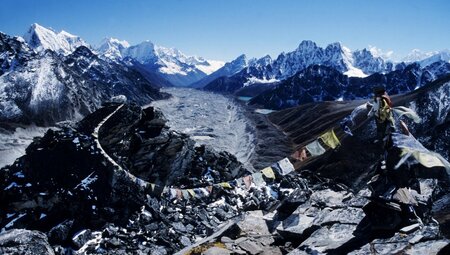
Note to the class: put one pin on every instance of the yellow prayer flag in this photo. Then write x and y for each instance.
(427, 160)
(268, 172)
(191, 191)
(330, 139)
(225, 185)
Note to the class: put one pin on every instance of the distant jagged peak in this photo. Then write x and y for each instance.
(110, 41)
(306, 45)
(336, 45)
(417, 55)
(236, 64)
(439, 56)
(264, 61)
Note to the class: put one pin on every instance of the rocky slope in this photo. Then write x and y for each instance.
(69, 167)
(49, 87)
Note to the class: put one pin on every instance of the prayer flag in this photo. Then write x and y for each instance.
(191, 192)
(315, 148)
(258, 180)
(268, 172)
(286, 166)
(185, 194)
(225, 185)
(247, 181)
(330, 139)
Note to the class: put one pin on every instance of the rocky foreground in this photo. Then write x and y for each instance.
(121, 182)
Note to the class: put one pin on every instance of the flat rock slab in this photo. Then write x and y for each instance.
(327, 238)
(251, 247)
(255, 226)
(296, 224)
(349, 215)
(330, 198)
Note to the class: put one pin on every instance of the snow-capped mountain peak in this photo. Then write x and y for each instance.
(417, 55)
(427, 58)
(112, 48)
(143, 52)
(40, 38)
(443, 55)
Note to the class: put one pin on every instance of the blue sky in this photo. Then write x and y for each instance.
(223, 29)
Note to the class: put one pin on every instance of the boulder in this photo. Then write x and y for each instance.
(22, 241)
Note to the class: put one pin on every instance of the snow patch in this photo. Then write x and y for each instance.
(213, 66)
(355, 72)
(87, 181)
(253, 80)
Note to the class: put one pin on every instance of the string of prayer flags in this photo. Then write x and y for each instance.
(330, 139)
(268, 173)
(315, 148)
(286, 166)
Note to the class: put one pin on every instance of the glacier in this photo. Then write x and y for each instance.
(210, 119)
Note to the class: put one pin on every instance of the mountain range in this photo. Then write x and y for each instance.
(323, 83)
(170, 63)
(360, 64)
(48, 76)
